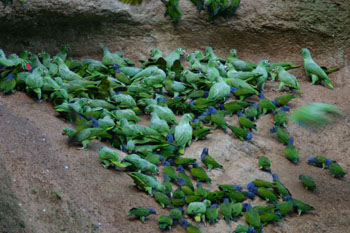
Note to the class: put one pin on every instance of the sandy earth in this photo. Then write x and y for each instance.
(36, 162)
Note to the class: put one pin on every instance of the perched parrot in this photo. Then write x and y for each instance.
(314, 71)
(209, 161)
(141, 213)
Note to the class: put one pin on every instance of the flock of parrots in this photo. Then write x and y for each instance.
(104, 100)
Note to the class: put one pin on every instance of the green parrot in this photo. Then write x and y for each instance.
(212, 71)
(189, 228)
(177, 53)
(162, 199)
(217, 118)
(265, 163)
(165, 222)
(161, 126)
(336, 170)
(267, 194)
(194, 79)
(237, 209)
(110, 156)
(64, 72)
(124, 100)
(198, 210)
(219, 90)
(287, 79)
(243, 229)
(279, 188)
(238, 83)
(308, 182)
(282, 135)
(94, 65)
(34, 81)
(235, 106)
(209, 161)
(8, 84)
(262, 70)
(239, 65)
(262, 183)
(280, 117)
(265, 105)
(164, 113)
(128, 114)
(199, 173)
(140, 164)
(314, 71)
(136, 130)
(301, 206)
(141, 213)
(244, 75)
(285, 207)
(176, 214)
(210, 55)
(245, 123)
(242, 134)
(183, 132)
(320, 161)
(169, 170)
(174, 87)
(212, 214)
(252, 217)
(291, 152)
(226, 210)
(315, 115)
(146, 183)
(267, 218)
(110, 59)
(172, 9)
(252, 112)
(283, 100)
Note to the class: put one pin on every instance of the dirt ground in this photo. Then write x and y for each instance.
(47, 186)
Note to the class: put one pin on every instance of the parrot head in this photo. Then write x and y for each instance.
(199, 185)
(238, 187)
(251, 230)
(305, 53)
(215, 206)
(250, 195)
(212, 110)
(205, 150)
(249, 136)
(233, 89)
(275, 177)
(273, 129)
(233, 52)
(301, 177)
(261, 96)
(240, 114)
(251, 186)
(312, 160)
(287, 198)
(180, 181)
(152, 211)
(10, 76)
(205, 94)
(184, 223)
(180, 169)
(226, 200)
(285, 108)
(328, 162)
(169, 138)
(222, 107)
(166, 163)
(246, 206)
(290, 141)
(275, 103)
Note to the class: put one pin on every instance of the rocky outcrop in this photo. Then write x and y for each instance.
(264, 26)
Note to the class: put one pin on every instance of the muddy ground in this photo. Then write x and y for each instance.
(47, 186)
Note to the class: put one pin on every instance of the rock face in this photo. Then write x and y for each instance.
(259, 26)
(36, 162)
